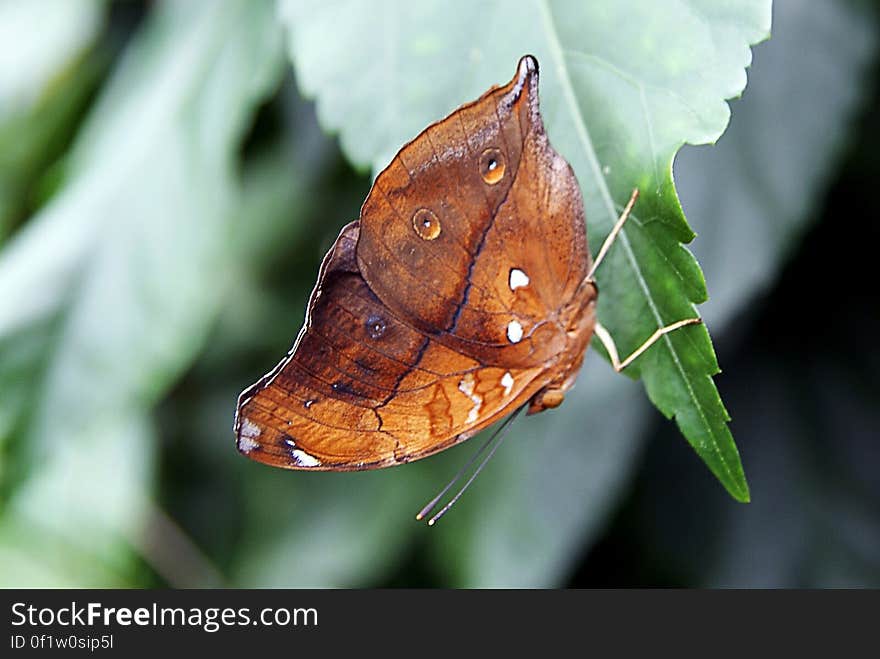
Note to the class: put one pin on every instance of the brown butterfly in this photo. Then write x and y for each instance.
(464, 292)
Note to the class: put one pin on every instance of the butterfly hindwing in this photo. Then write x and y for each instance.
(361, 389)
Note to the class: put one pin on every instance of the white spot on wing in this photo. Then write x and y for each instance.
(466, 386)
(507, 383)
(247, 437)
(514, 331)
(518, 279)
(301, 458)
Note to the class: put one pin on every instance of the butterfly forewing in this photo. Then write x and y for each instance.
(425, 218)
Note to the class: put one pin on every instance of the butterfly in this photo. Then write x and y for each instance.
(463, 292)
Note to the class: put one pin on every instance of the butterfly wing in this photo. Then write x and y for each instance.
(507, 249)
(447, 306)
(362, 389)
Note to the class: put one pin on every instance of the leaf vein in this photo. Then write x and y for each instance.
(585, 140)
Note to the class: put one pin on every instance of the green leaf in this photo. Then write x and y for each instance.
(623, 86)
(751, 198)
(118, 274)
(71, 523)
(37, 42)
(48, 69)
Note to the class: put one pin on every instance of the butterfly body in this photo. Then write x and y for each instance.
(462, 293)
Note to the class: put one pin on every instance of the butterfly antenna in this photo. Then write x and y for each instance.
(618, 226)
(497, 437)
(433, 502)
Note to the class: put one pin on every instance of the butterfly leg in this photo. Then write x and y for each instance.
(616, 230)
(608, 342)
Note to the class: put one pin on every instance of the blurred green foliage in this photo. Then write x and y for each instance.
(166, 196)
